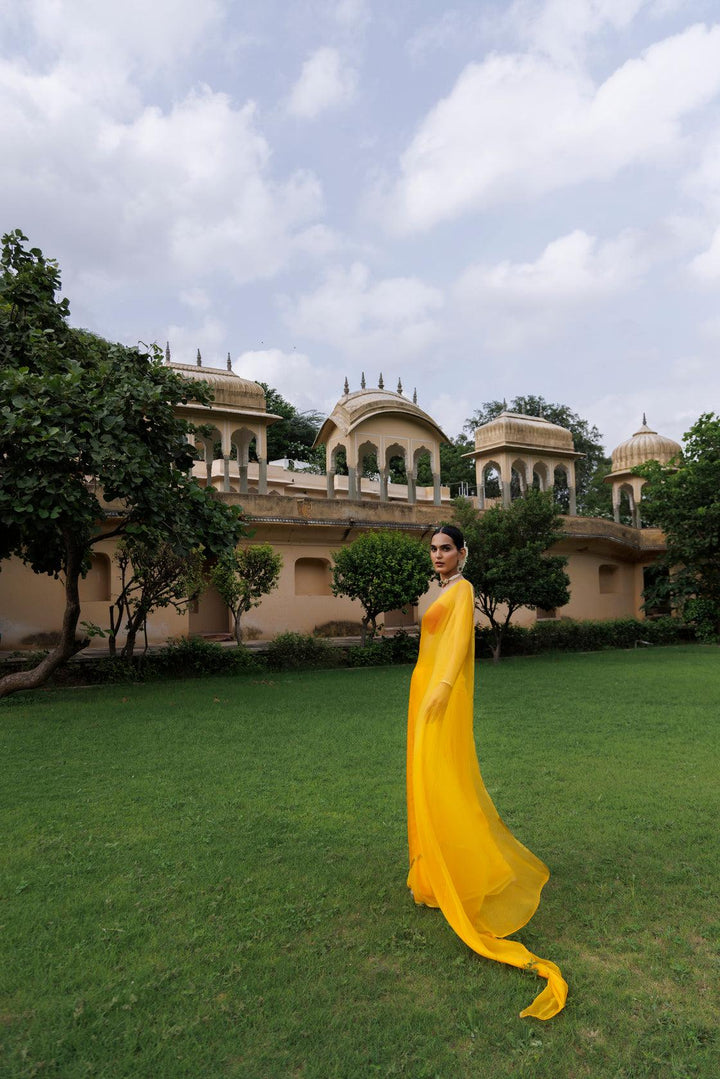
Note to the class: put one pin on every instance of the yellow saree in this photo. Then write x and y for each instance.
(463, 859)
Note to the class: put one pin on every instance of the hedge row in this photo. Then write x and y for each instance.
(194, 656)
(566, 635)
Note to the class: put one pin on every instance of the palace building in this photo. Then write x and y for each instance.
(307, 516)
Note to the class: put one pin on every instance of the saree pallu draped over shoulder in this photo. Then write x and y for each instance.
(463, 859)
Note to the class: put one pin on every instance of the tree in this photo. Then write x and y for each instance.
(292, 436)
(243, 576)
(384, 571)
(455, 469)
(152, 576)
(507, 563)
(90, 444)
(593, 498)
(683, 498)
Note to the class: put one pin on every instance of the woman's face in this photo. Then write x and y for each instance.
(444, 554)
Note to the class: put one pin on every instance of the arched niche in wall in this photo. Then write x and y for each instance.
(312, 577)
(95, 586)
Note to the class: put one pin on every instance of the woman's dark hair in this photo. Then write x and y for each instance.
(454, 533)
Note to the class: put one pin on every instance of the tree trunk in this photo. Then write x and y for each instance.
(133, 626)
(68, 645)
(238, 630)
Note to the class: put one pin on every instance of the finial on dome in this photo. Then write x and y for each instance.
(399, 389)
(644, 420)
(198, 361)
(167, 352)
(346, 387)
(381, 384)
(415, 395)
(504, 404)
(229, 363)
(362, 380)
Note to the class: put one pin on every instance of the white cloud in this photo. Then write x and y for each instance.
(323, 84)
(209, 336)
(189, 187)
(448, 410)
(306, 385)
(571, 268)
(350, 13)
(517, 126)
(135, 35)
(394, 317)
(561, 28)
(706, 266)
(515, 303)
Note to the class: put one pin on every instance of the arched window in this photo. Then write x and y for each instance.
(95, 586)
(608, 577)
(518, 479)
(312, 577)
(491, 480)
(423, 467)
(561, 488)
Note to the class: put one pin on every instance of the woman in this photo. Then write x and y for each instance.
(463, 859)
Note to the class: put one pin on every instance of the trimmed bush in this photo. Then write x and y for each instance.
(293, 651)
(567, 635)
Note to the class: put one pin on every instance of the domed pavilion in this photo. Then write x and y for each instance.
(237, 417)
(644, 445)
(388, 425)
(531, 447)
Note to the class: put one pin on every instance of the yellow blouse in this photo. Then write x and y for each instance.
(463, 859)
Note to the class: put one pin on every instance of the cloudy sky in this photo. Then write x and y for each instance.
(482, 198)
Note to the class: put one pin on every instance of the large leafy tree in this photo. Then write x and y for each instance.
(593, 498)
(683, 498)
(507, 564)
(90, 445)
(384, 571)
(294, 434)
(455, 469)
(243, 576)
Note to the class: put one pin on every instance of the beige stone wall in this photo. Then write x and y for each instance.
(606, 562)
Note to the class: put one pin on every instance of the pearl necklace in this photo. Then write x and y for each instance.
(449, 580)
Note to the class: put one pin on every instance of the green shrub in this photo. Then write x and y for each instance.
(403, 647)
(293, 651)
(567, 635)
(196, 656)
(338, 629)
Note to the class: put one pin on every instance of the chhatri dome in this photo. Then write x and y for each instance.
(644, 445)
(236, 416)
(531, 447)
(230, 391)
(384, 423)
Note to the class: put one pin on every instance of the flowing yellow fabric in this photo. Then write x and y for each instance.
(463, 859)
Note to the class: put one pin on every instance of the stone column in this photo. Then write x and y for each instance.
(352, 482)
(436, 489)
(243, 470)
(226, 472)
(506, 481)
(480, 484)
(412, 487)
(384, 472)
(573, 501)
(330, 478)
(262, 475)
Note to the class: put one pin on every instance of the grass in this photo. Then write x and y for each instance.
(207, 878)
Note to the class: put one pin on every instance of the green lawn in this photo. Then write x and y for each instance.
(207, 878)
